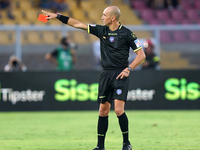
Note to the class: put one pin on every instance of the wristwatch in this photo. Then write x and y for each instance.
(129, 68)
(58, 15)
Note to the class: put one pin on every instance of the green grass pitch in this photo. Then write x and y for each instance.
(76, 130)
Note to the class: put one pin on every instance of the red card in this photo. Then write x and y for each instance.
(42, 18)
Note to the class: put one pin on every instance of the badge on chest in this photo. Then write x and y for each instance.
(111, 39)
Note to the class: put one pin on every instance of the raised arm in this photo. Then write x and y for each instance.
(67, 20)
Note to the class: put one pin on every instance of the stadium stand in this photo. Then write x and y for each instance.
(162, 15)
(186, 14)
(189, 11)
(78, 36)
(194, 36)
(192, 14)
(179, 36)
(169, 22)
(193, 59)
(174, 60)
(177, 15)
(26, 13)
(7, 37)
(165, 37)
(147, 14)
(154, 22)
(90, 12)
(32, 37)
(185, 22)
(50, 37)
(186, 4)
(189, 14)
(197, 4)
(138, 4)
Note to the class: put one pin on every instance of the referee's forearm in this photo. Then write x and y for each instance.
(77, 24)
(72, 22)
(134, 64)
(138, 60)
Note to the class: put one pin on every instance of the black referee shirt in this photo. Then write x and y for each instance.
(115, 45)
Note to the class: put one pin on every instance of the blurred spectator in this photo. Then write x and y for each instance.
(152, 60)
(126, 2)
(108, 2)
(156, 4)
(78, 3)
(59, 5)
(171, 4)
(163, 4)
(97, 55)
(6, 4)
(64, 56)
(15, 64)
(45, 4)
(54, 5)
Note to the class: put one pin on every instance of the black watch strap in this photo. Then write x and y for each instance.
(58, 15)
(129, 68)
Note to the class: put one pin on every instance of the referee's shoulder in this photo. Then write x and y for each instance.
(126, 30)
(101, 26)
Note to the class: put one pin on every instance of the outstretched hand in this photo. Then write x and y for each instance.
(124, 74)
(49, 15)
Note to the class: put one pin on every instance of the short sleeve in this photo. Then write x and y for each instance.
(134, 42)
(54, 53)
(96, 30)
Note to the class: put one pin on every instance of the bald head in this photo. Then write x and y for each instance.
(113, 11)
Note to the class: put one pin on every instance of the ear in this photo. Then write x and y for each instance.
(113, 18)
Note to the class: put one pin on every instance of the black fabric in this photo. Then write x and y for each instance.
(63, 19)
(54, 53)
(111, 88)
(123, 122)
(114, 45)
(102, 129)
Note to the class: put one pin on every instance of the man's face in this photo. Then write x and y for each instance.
(106, 18)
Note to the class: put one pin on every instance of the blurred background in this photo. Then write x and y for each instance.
(171, 27)
(169, 78)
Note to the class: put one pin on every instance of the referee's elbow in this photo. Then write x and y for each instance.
(143, 56)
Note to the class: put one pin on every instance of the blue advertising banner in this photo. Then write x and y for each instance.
(77, 90)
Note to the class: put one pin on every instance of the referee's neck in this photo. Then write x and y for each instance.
(114, 26)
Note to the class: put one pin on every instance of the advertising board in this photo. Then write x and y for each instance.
(78, 90)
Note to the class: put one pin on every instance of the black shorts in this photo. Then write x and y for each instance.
(111, 88)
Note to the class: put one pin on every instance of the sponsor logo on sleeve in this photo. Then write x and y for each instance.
(137, 43)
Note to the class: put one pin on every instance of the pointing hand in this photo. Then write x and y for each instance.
(49, 15)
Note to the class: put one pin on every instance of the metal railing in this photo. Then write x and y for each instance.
(64, 29)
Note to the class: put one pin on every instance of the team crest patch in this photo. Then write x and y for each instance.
(137, 43)
(111, 39)
(133, 35)
(119, 91)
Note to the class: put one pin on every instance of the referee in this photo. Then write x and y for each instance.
(115, 41)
